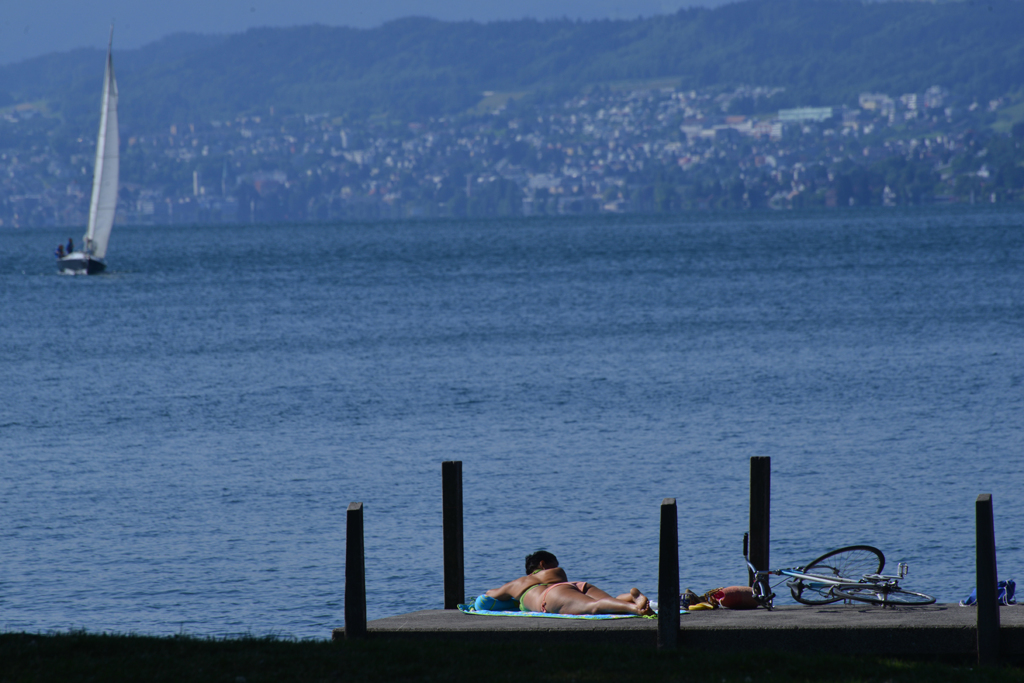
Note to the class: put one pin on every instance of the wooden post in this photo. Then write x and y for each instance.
(355, 574)
(668, 577)
(760, 512)
(987, 580)
(454, 567)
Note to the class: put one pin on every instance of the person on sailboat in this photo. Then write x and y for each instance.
(60, 251)
(71, 245)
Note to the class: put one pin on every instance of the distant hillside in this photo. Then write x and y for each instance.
(821, 51)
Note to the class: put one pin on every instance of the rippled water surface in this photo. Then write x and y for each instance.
(182, 435)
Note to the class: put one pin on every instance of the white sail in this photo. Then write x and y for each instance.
(105, 176)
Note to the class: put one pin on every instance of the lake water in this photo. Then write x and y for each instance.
(182, 435)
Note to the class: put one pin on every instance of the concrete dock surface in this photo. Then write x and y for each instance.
(946, 630)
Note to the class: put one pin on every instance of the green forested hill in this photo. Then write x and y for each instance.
(821, 51)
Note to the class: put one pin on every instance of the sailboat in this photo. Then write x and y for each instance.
(104, 184)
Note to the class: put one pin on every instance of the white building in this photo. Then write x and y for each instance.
(801, 114)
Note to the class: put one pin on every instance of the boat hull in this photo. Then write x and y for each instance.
(78, 263)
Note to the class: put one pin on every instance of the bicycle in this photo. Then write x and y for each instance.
(829, 578)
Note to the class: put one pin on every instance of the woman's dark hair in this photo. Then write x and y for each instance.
(533, 561)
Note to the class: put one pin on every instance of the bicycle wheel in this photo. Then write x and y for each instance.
(851, 562)
(763, 593)
(878, 595)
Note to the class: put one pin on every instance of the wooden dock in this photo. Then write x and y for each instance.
(987, 633)
(940, 631)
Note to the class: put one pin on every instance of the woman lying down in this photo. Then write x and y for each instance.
(545, 588)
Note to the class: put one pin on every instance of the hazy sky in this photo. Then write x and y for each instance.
(29, 28)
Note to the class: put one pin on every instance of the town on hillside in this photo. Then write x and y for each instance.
(650, 149)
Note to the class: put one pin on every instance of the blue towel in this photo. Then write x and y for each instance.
(471, 609)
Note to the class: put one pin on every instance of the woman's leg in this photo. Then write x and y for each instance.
(567, 599)
(595, 592)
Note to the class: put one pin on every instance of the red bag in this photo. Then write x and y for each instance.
(736, 597)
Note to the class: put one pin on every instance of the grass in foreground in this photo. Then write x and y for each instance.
(76, 656)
